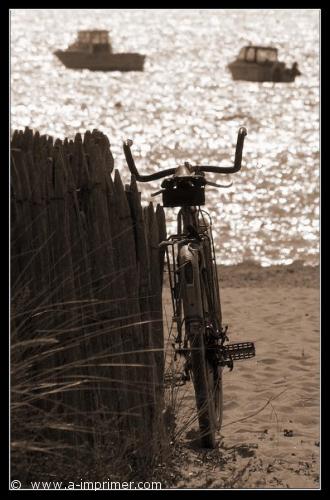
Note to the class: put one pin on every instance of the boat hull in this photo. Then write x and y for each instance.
(101, 62)
(261, 73)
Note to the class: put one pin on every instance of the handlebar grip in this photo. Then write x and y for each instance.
(129, 158)
(131, 165)
(238, 157)
(239, 147)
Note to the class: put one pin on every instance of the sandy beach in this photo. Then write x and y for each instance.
(270, 435)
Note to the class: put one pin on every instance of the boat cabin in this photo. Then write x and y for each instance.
(260, 64)
(92, 41)
(259, 55)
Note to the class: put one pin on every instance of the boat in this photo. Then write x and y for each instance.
(260, 64)
(92, 50)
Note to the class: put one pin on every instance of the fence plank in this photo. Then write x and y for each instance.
(157, 314)
(161, 221)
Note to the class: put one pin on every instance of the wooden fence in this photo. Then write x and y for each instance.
(86, 280)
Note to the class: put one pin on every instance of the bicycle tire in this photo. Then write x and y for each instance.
(215, 372)
(207, 380)
(200, 314)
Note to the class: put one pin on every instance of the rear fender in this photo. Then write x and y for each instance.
(189, 256)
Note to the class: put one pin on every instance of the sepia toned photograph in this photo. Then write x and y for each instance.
(164, 249)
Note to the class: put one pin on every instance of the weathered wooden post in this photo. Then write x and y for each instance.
(161, 221)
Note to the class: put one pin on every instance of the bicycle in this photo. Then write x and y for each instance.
(193, 277)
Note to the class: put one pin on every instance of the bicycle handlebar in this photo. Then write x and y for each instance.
(201, 168)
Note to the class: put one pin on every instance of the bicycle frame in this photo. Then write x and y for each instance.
(195, 255)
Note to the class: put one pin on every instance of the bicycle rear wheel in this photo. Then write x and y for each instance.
(201, 331)
(207, 380)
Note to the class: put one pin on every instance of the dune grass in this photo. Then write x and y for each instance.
(78, 401)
